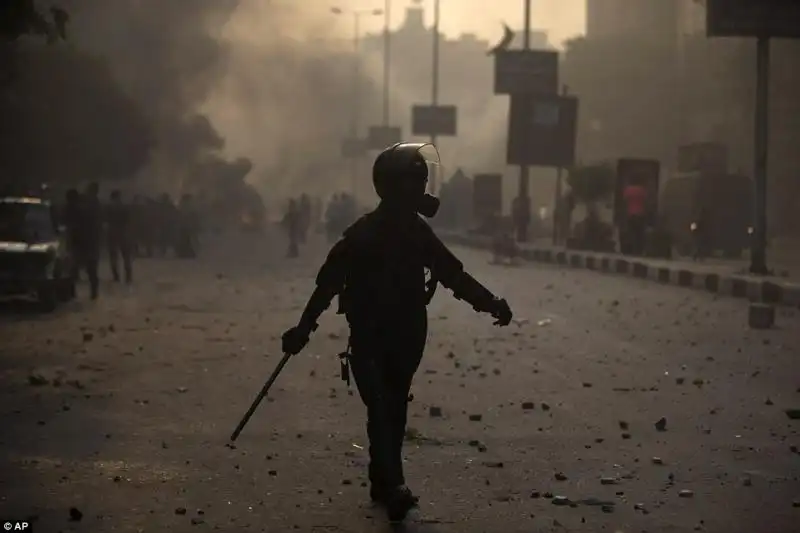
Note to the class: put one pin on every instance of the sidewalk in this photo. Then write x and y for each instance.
(726, 279)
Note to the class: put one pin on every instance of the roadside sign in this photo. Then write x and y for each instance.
(753, 18)
(542, 130)
(647, 172)
(706, 158)
(381, 137)
(526, 72)
(433, 120)
(487, 195)
(353, 148)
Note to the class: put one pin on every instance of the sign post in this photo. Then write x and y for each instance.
(541, 130)
(523, 74)
(762, 19)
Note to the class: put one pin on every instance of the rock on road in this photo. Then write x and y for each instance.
(121, 410)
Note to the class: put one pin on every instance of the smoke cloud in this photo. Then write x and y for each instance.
(225, 79)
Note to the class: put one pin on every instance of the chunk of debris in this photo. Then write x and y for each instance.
(793, 414)
(661, 425)
(435, 412)
(527, 406)
(560, 501)
(37, 380)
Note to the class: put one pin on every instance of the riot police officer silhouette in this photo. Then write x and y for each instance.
(378, 270)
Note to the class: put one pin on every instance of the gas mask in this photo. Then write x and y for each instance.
(428, 205)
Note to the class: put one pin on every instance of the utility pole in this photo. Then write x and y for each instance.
(558, 205)
(356, 94)
(435, 77)
(387, 57)
(758, 251)
(524, 177)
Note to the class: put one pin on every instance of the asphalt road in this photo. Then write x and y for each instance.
(121, 409)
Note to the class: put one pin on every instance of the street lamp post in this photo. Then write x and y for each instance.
(435, 74)
(387, 56)
(524, 176)
(355, 117)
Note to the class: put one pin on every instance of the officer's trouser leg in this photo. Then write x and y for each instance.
(369, 379)
(384, 385)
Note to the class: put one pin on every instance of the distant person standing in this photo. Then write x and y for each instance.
(292, 225)
(635, 199)
(304, 205)
(119, 222)
(188, 228)
(87, 236)
(71, 218)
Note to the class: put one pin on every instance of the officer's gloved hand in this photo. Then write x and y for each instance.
(295, 339)
(501, 312)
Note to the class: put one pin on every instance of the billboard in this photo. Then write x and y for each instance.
(753, 18)
(526, 72)
(646, 172)
(487, 195)
(542, 130)
(382, 137)
(433, 120)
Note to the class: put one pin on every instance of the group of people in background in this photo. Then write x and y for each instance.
(304, 214)
(142, 227)
(296, 223)
(342, 210)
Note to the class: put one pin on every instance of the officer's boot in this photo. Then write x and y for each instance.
(399, 501)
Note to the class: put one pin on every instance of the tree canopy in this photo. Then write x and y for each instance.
(65, 117)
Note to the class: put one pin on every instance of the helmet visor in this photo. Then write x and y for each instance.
(430, 155)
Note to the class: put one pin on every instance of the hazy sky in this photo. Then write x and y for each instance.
(561, 18)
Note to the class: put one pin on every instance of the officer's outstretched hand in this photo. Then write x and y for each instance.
(295, 339)
(501, 312)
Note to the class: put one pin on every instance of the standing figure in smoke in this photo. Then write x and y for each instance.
(292, 223)
(378, 270)
(118, 220)
(88, 234)
(188, 227)
(305, 217)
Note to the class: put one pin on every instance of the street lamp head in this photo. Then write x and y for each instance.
(336, 11)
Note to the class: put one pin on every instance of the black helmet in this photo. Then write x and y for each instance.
(400, 175)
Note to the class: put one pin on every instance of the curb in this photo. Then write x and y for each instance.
(771, 291)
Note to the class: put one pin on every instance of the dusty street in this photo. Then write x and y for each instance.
(122, 409)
